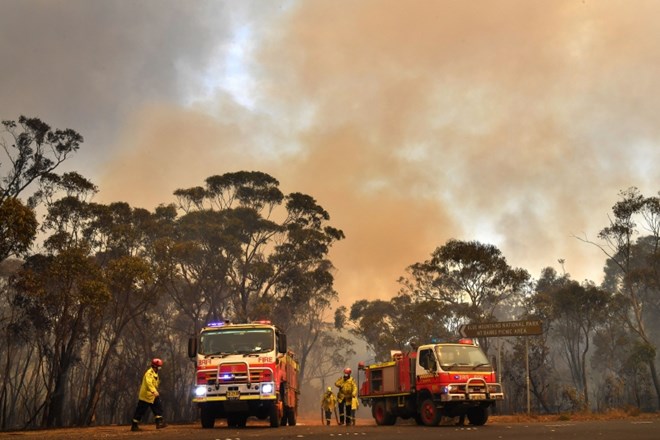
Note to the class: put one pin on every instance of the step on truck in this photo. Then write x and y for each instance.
(436, 380)
(242, 371)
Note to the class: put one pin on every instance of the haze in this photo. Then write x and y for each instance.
(514, 123)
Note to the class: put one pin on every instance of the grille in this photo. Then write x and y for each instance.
(230, 378)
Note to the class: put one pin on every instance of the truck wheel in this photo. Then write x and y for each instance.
(429, 413)
(291, 416)
(208, 417)
(478, 416)
(273, 417)
(382, 417)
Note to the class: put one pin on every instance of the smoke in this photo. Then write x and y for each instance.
(509, 122)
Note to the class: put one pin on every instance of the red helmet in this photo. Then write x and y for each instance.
(347, 370)
(155, 362)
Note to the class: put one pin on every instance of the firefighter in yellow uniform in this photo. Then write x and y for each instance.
(328, 403)
(149, 397)
(347, 391)
(354, 406)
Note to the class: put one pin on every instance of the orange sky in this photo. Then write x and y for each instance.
(509, 122)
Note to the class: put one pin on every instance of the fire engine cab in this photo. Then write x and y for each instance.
(244, 370)
(435, 380)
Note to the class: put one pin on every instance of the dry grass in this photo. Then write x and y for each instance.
(615, 414)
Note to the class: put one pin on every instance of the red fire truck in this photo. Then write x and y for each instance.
(244, 370)
(435, 380)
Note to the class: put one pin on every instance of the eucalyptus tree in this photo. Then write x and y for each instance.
(631, 243)
(32, 151)
(543, 373)
(473, 280)
(242, 247)
(92, 281)
(121, 238)
(472, 276)
(398, 324)
(574, 312)
(67, 286)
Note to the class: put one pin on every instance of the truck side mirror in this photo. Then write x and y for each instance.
(192, 347)
(281, 343)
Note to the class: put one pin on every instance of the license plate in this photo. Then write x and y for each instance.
(477, 397)
(233, 394)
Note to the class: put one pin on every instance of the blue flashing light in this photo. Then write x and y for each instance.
(216, 324)
(227, 376)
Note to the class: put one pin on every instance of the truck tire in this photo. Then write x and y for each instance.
(273, 417)
(429, 414)
(291, 416)
(478, 416)
(208, 417)
(381, 416)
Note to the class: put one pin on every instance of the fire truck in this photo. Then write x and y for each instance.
(434, 381)
(244, 370)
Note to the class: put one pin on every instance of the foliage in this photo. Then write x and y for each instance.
(115, 285)
(34, 151)
(633, 267)
(18, 228)
(462, 281)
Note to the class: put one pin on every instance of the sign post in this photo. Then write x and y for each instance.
(529, 327)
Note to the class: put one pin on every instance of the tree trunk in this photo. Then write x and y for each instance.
(654, 377)
(89, 413)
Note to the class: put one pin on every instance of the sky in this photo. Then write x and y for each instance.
(510, 122)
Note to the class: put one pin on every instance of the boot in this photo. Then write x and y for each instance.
(134, 426)
(160, 423)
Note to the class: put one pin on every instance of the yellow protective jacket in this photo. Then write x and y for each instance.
(347, 388)
(149, 387)
(328, 401)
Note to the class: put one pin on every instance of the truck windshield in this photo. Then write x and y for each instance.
(462, 357)
(237, 341)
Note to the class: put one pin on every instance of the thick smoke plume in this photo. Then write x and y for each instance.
(508, 122)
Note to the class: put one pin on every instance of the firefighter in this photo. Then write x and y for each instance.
(354, 406)
(149, 397)
(347, 391)
(328, 403)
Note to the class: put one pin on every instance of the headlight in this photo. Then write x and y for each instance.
(200, 391)
(494, 389)
(267, 388)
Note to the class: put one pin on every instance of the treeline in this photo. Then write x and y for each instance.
(112, 286)
(108, 287)
(598, 350)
